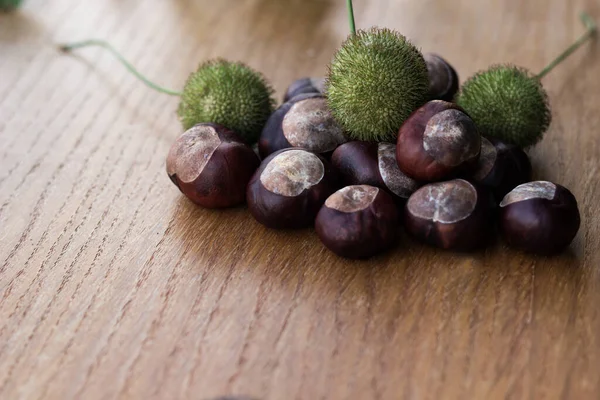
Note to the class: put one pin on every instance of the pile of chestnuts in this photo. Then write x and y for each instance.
(389, 138)
(443, 180)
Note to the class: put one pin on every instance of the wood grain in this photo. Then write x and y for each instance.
(114, 286)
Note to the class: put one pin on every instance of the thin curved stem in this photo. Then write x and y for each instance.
(67, 48)
(591, 29)
(351, 17)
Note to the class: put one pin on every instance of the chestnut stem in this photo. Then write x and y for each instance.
(351, 17)
(67, 48)
(590, 24)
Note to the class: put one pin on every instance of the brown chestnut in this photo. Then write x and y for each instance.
(443, 79)
(358, 221)
(304, 86)
(368, 163)
(289, 188)
(451, 215)
(539, 217)
(211, 165)
(305, 121)
(437, 141)
(501, 167)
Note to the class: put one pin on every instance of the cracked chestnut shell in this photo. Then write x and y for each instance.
(289, 188)
(453, 215)
(443, 79)
(438, 141)
(368, 163)
(539, 217)
(501, 167)
(358, 221)
(211, 165)
(306, 122)
(304, 86)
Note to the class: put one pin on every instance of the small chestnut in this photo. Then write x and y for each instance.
(303, 86)
(451, 215)
(443, 79)
(539, 217)
(501, 167)
(369, 163)
(211, 165)
(437, 141)
(289, 188)
(358, 221)
(304, 121)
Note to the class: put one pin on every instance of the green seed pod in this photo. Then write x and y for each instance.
(376, 80)
(229, 94)
(9, 5)
(507, 103)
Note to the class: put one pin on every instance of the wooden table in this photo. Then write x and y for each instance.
(113, 285)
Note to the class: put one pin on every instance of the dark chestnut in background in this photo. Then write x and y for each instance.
(501, 167)
(289, 188)
(358, 221)
(443, 79)
(211, 165)
(306, 122)
(368, 163)
(539, 217)
(451, 215)
(304, 86)
(439, 140)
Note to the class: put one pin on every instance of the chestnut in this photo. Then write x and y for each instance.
(438, 141)
(305, 121)
(451, 215)
(443, 79)
(211, 165)
(539, 217)
(501, 167)
(289, 188)
(358, 221)
(368, 163)
(303, 86)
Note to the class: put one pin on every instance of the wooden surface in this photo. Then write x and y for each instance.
(114, 286)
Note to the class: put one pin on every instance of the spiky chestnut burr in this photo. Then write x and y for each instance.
(227, 93)
(375, 81)
(509, 102)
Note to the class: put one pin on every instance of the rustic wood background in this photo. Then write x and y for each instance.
(114, 286)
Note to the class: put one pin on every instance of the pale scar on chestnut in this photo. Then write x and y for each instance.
(191, 152)
(446, 202)
(310, 124)
(450, 138)
(292, 172)
(400, 184)
(486, 159)
(528, 191)
(352, 198)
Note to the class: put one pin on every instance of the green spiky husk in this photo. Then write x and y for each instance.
(508, 103)
(375, 81)
(9, 5)
(230, 94)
